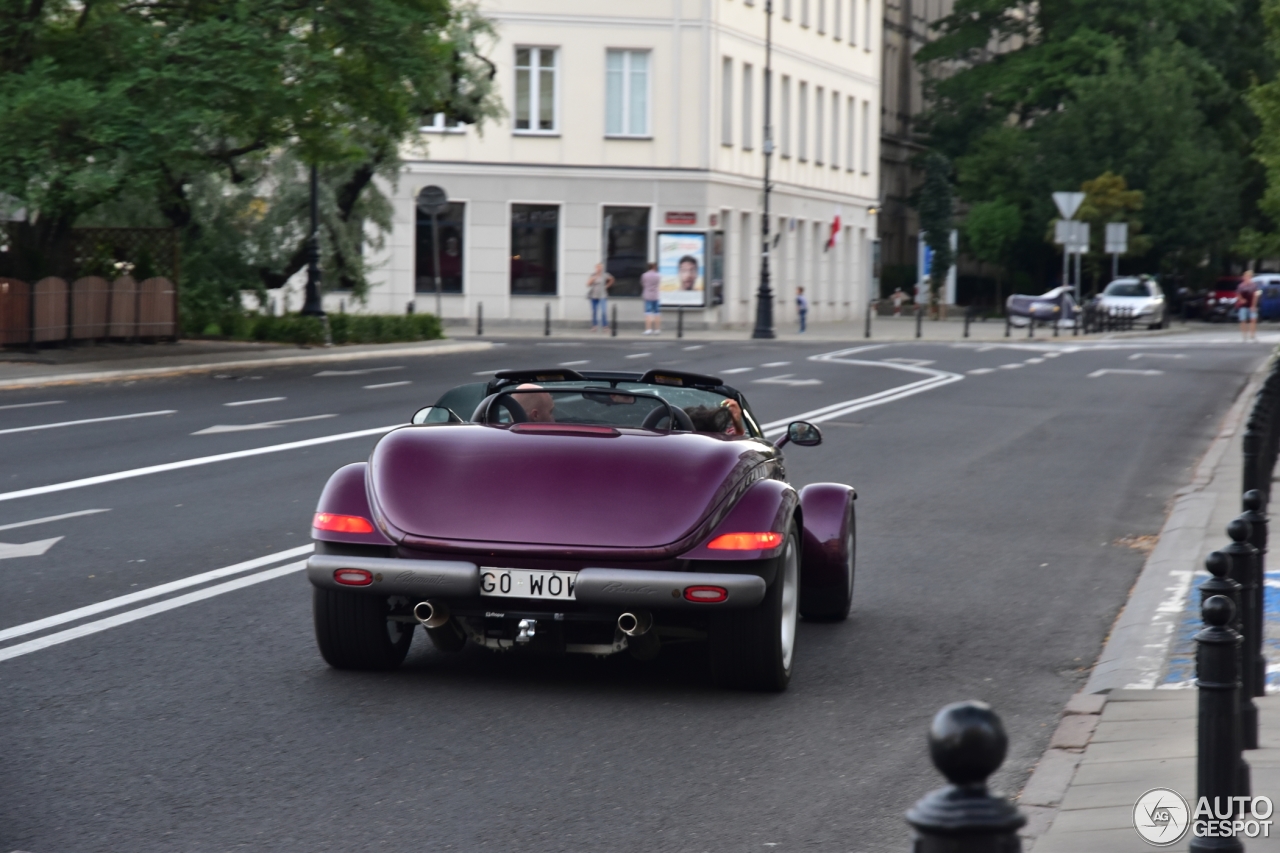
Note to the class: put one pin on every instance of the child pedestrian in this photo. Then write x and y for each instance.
(802, 306)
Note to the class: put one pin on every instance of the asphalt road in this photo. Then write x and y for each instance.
(201, 717)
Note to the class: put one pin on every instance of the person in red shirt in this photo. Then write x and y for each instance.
(1247, 300)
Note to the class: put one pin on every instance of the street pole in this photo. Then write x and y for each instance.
(312, 306)
(1066, 264)
(764, 297)
(435, 252)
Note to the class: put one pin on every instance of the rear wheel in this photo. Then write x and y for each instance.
(753, 649)
(353, 631)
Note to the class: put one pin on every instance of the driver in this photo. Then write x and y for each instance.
(725, 419)
(538, 405)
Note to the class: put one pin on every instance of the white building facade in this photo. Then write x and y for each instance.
(628, 120)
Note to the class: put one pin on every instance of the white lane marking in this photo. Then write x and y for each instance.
(488, 372)
(89, 421)
(217, 429)
(190, 463)
(49, 518)
(33, 405)
(575, 363)
(1010, 366)
(978, 371)
(1104, 372)
(785, 379)
(775, 364)
(694, 347)
(143, 612)
(1051, 355)
(640, 355)
(918, 362)
(255, 402)
(150, 592)
(737, 370)
(1138, 355)
(1035, 361)
(27, 549)
(363, 372)
(388, 384)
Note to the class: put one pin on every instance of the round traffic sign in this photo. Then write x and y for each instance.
(432, 199)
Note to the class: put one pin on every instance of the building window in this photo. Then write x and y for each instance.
(835, 130)
(848, 139)
(866, 138)
(786, 10)
(836, 6)
(804, 13)
(802, 129)
(535, 241)
(853, 22)
(784, 117)
(536, 89)
(866, 26)
(747, 92)
(822, 16)
(818, 101)
(440, 124)
(626, 239)
(451, 231)
(726, 102)
(627, 93)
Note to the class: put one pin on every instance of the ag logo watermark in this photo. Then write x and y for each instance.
(1162, 817)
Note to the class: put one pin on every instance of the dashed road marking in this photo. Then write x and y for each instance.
(1105, 371)
(361, 372)
(388, 384)
(49, 518)
(575, 363)
(1011, 366)
(1138, 355)
(775, 364)
(221, 428)
(33, 405)
(640, 355)
(255, 402)
(785, 379)
(734, 370)
(89, 421)
(978, 371)
(1035, 361)
(694, 347)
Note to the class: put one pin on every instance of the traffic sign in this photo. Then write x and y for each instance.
(1072, 234)
(433, 199)
(1117, 238)
(1068, 203)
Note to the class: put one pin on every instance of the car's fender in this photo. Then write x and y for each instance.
(767, 506)
(828, 522)
(345, 494)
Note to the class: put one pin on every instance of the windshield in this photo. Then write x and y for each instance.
(1126, 288)
(615, 405)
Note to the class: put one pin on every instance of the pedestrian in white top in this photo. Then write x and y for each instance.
(649, 282)
(598, 292)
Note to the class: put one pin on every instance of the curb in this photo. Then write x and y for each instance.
(206, 366)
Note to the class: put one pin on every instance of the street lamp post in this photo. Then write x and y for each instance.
(764, 296)
(312, 307)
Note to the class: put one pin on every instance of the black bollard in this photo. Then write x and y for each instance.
(1031, 327)
(968, 315)
(1218, 758)
(1056, 323)
(546, 323)
(613, 326)
(967, 743)
(479, 318)
(866, 332)
(1243, 570)
(919, 318)
(1007, 324)
(1252, 453)
(679, 322)
(1255, 513)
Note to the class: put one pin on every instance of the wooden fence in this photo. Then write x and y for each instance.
(91, 308)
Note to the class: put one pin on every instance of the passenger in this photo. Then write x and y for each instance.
(736, 426)
(538, 405)
(714, 419)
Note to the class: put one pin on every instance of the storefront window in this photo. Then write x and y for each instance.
(535, 238)
(626, 247)
(451, 231)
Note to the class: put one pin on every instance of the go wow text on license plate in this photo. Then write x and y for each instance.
(526, 583)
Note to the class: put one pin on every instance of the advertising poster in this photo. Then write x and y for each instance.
(682, 263)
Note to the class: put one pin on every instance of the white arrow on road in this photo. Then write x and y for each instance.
(219, 428)
(785, 379)
(1098, 373)
(27, 549)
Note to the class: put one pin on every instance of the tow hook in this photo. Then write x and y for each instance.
(526, 629)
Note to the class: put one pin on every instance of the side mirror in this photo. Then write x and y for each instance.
(802, 433)
(435, 415)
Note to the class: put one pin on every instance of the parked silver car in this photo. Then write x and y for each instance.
(1142, 296)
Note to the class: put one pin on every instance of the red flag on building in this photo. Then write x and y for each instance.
(835, 231)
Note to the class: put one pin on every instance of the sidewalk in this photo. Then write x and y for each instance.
(1133, 727)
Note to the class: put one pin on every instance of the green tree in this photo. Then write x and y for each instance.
(1264, 100)
(1107, 198)
(991, 230)
(935, 204)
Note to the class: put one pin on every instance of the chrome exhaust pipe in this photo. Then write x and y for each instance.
(635, 624)
(432, 614)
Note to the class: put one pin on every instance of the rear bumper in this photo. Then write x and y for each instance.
(614, 588)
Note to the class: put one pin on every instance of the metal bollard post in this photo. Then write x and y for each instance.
(679, 322)
(1254, 513)
(1252, 445)
(866, 333)
(546, 325)
(1031, 327)
(1007, 325)
(1056, 325)
(967, 743)
(613, 326)
(1218, 758)
(1243, 570)
(479, 318)
(919, 318)
(968, 315)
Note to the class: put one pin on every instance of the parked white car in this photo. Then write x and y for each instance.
(1142, 296)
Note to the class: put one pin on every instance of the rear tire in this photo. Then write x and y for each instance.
(754, 649)
(353, 631)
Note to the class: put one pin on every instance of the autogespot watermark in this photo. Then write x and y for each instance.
(1162, 817)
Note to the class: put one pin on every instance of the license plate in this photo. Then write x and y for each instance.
(527, 583)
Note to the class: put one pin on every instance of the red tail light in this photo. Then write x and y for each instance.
(745, 541)
(341, 523)
(705, 594)
(353, 577)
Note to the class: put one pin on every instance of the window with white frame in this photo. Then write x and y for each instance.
(626, 93)
(784, 117)
(836, 7)
(726, 102)
(802, 120)
(818, 101)
(747, 93)
(786, 10)
(866, 138)
(835, 130)
(536, 90)
(866, 26)
(804, 13)
(440, 124)
(848, 137)
(822, 16)
(853, 23)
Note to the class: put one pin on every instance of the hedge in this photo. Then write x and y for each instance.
(343, 328)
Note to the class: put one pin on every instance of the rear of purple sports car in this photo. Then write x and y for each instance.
(582, 513)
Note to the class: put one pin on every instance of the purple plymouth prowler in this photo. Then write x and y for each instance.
(594, 512)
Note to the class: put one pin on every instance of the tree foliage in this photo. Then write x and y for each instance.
(935, 207)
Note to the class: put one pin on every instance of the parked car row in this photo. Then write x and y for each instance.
(1140, 298)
